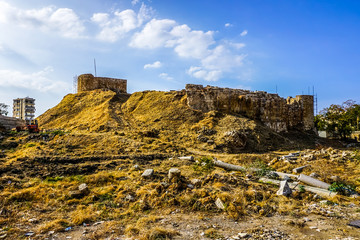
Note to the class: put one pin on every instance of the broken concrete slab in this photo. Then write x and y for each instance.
(284, 189)
(300, 169)
(313, 182)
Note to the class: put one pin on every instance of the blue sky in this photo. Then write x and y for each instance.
(286, 45)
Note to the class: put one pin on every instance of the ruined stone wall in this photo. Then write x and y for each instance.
(87, 82)
(275, 112)
(10, 122)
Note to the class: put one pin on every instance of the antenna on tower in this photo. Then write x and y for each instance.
(95, 66)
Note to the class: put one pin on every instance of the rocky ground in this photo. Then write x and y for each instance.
(110, 166)
(62, 194)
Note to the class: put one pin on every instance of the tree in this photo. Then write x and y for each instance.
(3, 109)
(339, 120)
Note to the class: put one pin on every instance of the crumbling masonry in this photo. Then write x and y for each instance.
(87, 82)
(275, 112)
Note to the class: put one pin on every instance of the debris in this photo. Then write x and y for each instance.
(228, 166)
(136, 167)
(282, 175)
(355, 223)
(319, 191)
(174, 173)
(148, 173)
(219, 204)
(284, 190)
(300, 169)
(98, 223)
(313, 182)
(308, 157)
(68, 229)
(3, 236)
(191, 158)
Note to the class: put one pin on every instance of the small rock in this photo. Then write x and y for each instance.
(83, 188)
(136, 167)
(243, 235)
(335, 178)
(324, 202)
(29, 234)
(51, 233)
(210, 141)
(129, 198)
(355, 223)
(314, 175)
(284, 189)
(75, 194)
(190, 186)
(196, 182)
(148, 173)
(32, 220)
(174, 173)
(219, 204)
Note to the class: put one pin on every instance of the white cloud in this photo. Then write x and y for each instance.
(134, 2)
(228, 25)
(61, 20)
(156, 64)
(203, 73)
(244, 33)
(155, 34)
(188, 43)
(166, 77)
(115, 27)
(39, 81)
(214, 58)
(221, 58)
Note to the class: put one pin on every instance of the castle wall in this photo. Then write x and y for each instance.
(10, 122)
(87, 82)
(275, 112)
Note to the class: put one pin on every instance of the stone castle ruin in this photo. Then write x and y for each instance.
(275, 112)
(87, 82)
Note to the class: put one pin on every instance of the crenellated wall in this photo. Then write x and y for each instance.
(87, 82)
(275, 112)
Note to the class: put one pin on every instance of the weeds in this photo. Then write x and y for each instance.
(204, 164)
(342, 188)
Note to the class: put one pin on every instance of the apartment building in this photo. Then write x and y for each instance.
(24, 108)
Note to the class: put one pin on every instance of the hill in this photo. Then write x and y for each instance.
(166, 117)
